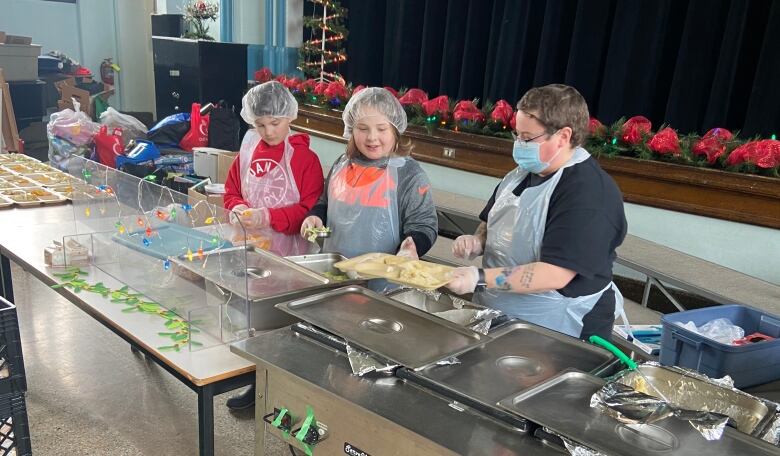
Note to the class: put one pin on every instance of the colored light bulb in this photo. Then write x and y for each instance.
(200, 252)
(147, 242)
(121, 229)
(209, 220)
(167, 264)
(189, 254)
(186, 207)
(148, 231)
(140, 221)
(87, 211)
(214, 240)
(173, 213)
(102, 210)
(160, 214)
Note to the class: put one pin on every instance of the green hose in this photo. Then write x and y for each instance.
(596, 340)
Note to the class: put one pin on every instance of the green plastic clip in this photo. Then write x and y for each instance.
(278, 420)
(307, 424)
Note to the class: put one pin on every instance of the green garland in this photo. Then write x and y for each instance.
(179, 331)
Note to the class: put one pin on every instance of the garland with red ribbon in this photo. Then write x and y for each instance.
(718, 148)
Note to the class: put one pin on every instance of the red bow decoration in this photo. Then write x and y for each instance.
(764, 154)
(502, 113)
(712, 144)
(632, 130)
(665, 142)
(439, 105)
(413, 97)
(392, 90)
(319, 88)
(467, 111)
(336, 90)
(263, 75)
(596, 128)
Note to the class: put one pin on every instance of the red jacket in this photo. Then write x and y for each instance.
(306, 170)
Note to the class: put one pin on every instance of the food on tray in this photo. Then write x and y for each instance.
(313, 233)
(415, 273)
(336, 277)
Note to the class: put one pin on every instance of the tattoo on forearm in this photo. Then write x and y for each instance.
(501, 279)
(526, 275)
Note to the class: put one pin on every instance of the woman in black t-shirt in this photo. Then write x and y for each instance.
(550, 230)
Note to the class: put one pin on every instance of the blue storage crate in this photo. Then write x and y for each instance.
(748, 365)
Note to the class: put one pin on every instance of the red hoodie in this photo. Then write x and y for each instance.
(306, 170)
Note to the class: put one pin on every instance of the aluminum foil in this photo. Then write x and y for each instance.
(772, 432)
(363, 363)
(624, 398)
(575, 449)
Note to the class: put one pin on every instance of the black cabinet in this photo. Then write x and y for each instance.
(197, 71)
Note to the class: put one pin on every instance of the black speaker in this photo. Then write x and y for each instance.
(168, 25)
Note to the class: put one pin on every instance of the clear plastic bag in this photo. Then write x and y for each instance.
(70, 133)
(720, 330)
(132, 128)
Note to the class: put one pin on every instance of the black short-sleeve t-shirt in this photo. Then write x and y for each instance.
(585, 224)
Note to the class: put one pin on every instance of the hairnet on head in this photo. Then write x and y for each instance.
(380, 100)
(268, 99)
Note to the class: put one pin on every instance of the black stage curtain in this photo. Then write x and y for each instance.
(694, 64)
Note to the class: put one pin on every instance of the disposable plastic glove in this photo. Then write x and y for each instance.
(467, 246)
(408, 249)
(236, 212)
(255, 218)
(309, 222)
(463, 280)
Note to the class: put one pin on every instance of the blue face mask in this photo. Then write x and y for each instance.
(526, 155)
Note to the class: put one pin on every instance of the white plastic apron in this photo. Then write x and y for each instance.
(515, 231)
(273, 189)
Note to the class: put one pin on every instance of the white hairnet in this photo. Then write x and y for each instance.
(378, 99)
(268, 99)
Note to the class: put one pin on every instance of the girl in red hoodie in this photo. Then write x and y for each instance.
(276, 178)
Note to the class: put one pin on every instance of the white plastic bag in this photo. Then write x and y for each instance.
(720, 330)
(70, 133)
(132, 128)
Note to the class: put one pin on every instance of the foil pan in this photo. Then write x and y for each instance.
(708, 405)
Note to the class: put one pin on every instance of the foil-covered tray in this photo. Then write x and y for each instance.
(562, 404)
(683, 391)
(375, 323)
(447, 306)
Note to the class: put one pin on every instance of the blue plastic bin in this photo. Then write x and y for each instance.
(748, 365)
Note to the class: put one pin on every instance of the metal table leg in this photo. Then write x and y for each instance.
(206, 420)
(7, 287)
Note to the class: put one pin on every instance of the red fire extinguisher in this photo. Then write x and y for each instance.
(107, 69)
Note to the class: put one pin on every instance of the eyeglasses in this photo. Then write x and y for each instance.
(517, 138)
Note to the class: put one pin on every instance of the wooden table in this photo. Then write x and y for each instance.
(23, 235)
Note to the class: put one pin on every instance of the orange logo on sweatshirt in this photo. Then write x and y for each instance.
(366, 186)
(423, 189)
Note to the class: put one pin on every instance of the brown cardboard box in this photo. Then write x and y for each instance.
(69, 91)
(203, 211)
(224, 162)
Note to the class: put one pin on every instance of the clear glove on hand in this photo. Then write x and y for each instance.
(255, 218)
(463, 280)
(236, 212)
(467, 246)
(310, 222)
(408, 249)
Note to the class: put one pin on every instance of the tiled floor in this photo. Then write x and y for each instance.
(89, 395)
